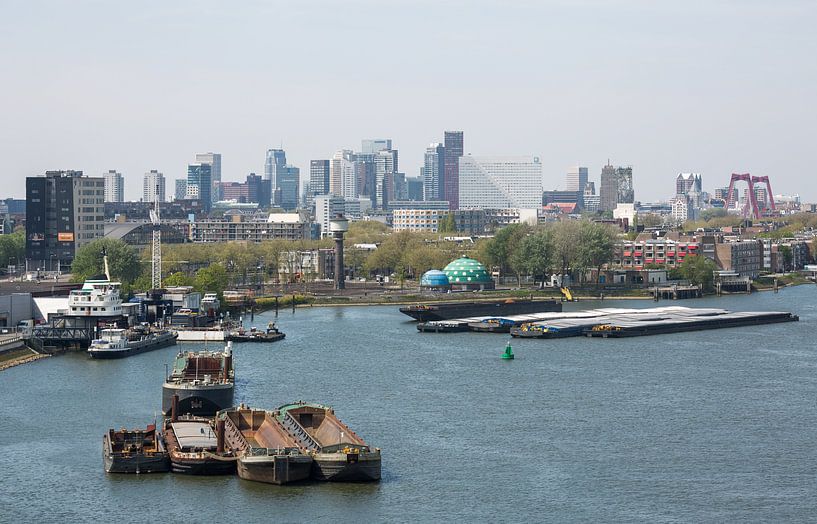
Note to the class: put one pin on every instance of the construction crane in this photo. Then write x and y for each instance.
(156, 255)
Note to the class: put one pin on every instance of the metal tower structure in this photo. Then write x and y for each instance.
(750, 200)
(769, 194)
(156, 256)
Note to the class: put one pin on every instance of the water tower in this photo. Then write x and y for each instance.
(338, 226)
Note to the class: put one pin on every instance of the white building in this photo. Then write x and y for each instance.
(500, 182)
(114, 186)
(576, 179)
(153, 187)
(423, 220)
(682, 209)
(342, 179)
(624, 211)
(326, 207)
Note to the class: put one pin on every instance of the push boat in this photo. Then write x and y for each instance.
(272, 334)
(196, 447)
(202, 381)
(338, 453)
(266, 451)
(119, 343)
(134, 451)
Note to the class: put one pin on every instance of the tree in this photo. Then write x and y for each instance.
(596, 245)
(177, 279)
(211, 279)
(447, 224)
(12, 249)
(535, 255)
(566, 238)
(788, 257)
(123, 261)
(499, 251)
(699, 270)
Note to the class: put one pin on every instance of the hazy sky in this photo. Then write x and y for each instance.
(667, 87)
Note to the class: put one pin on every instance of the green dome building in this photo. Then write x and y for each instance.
(466, 273)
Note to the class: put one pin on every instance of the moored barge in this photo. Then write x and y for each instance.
(338, 453)
(204, 382)
(134, 451)
(119, 343)
(266, 451)
(493, 308)
(195, 447)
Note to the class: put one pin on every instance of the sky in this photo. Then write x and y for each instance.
(712, 87)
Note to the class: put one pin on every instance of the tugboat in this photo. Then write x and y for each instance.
(134, 451)
(118, 343)
(272, 334)
(338, 453)
(196, 447)
(266, 451)
(203, 381)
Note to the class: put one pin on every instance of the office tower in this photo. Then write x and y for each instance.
(326, 208)
(500, 182)
(289, 182)
(255, 191)
(433, 166)
(214, 160)
(200, 184)
(400, 187)
(276, 160)
(114, 186)
(385, 167)
(342, 180)
(318, 180)
(181, 189)
(616, 187)
(64, 211)
(414, 188)
(365, 174)
(576, 179)
(453, 143)
(153, 187)
(371, 146)
(685, 183)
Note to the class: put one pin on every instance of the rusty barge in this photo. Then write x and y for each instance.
(135, 451)
(203, 381)
(493, 308)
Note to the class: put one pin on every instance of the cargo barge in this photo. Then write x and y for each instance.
(195, 448)
(636, 328)
(203, 383)
(120, 343)
(272, 334)
(338, 453)
(266, 451)
(494, 308)
(134, 451)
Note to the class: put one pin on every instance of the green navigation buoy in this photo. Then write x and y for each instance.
(508, 355)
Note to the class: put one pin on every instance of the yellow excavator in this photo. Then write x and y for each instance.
(568, 295)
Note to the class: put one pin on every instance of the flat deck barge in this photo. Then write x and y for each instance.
(451, 310)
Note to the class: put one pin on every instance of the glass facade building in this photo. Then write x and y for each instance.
(500, 182)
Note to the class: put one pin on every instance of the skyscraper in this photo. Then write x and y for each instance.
(342, 179)
(180, 192)
(276, 160)
(153, 187)
(453, 143)
(385, 167)
(365, 174)
(576, 179)
(258, 190)
(500, 182)
(433, 166)
(370, 146)
(616, 187)
(64, 211)
(414, 188)
(318, 179)
(200, 184)
(114, 186)
(214, 159)
(289, 182)
(688, 182)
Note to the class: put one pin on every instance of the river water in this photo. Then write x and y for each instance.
(707, 426)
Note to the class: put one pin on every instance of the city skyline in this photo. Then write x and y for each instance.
(726, 92)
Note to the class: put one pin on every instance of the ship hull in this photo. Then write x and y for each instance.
(346, 467)
(276, 469)
(200, 401)
(256, 338)
(136, 464)
(448, 311)
(158, 343)
(202, 466)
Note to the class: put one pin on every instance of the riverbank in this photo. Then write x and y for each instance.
(16, 357)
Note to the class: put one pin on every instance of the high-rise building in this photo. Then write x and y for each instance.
(342, 179)
(114, 186)
(326, 208)
(64, 211)
(258, 190)
(318, 179)
(180, 192)
(153, 187)
(214, 159)
(500, 182)
(414, 188)
(200, 184)
(365, 174)
(276, 159)
(374, 145)
(685, 183)
(289, 182)
(453, 143)
(576, 179)
(616, 187)
(433, 169)
(385, 167)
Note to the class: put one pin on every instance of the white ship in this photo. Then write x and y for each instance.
(118, 343)
(98, 297)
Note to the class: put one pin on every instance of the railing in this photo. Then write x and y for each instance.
(292, 426)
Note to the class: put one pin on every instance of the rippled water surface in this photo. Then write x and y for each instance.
(707, 426)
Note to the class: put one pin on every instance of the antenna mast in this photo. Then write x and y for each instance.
(156, 258)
